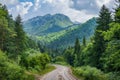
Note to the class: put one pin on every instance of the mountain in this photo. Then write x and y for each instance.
(43, 25)
(86, 29)
(58, 31)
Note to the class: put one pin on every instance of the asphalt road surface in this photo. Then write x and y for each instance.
(60, 73)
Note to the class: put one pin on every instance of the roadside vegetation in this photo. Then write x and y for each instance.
(89, 73)
(19, 55)
(98, 59)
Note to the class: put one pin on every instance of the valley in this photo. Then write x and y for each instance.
(59, 40)
(57, 30)
(60, 73)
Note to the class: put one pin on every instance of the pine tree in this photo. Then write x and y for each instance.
(99, 43)
(69, 56)
(117, 12)
(77, 47)
(111, 57)
(84, 41)
(3, 26)
(77, 55)
(20, 37)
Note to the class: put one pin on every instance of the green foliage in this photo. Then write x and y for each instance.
(14, 42)
(12, 36)
(69, 56)
(117, 12)
(34, 60)
(48, 68)
(77, 53)
(114, 76)
(111, 56)
(90, 73)
(59, 59)
(44, 60)
(113, 32)
(60, 38)
(87, 55)
(77, 47)
(102, 52)
(10, 70)
(3, 31)
(103, 21)
(20, 36)
(43, 25)
(84, 41)
(79, 31)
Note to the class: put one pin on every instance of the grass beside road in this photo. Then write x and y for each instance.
(89, 73)
(48, 69)
(34, 72)
(61, 63)
(77, 76)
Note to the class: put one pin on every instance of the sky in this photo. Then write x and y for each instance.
(76, 10)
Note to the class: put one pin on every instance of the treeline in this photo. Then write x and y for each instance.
(102, 52)
(18, 53)
(13, 39)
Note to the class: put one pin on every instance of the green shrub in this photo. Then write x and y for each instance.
(90, 73)
(36, 61)
(59, 59)
(10, 70)
(114, 76)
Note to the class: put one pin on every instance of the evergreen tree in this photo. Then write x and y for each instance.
(77, 47)
(117, 12)
(69, 56)
(77, 53)
(111, 56)
(99, 43)
(3, 27)
(84, 41)
(20, 37)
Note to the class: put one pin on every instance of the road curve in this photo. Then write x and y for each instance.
(60, 73)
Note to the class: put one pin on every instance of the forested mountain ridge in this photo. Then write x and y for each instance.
(86, 29)
(58, 30)
(18, 53)
(42, 25)
(91, 50)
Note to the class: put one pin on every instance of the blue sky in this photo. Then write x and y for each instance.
(76, 10)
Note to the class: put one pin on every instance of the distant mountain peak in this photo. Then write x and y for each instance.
(47, 23)
(76, 22)
(59, 30)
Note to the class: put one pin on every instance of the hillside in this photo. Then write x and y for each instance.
(42, 25)
(58, 30)
(86, 29)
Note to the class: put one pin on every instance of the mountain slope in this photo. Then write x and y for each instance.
(42, 25)
(57, 31)
(87, 29)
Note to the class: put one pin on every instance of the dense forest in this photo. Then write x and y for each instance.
(18, 53)
(100, 58)
(21, 56)
(58, 30)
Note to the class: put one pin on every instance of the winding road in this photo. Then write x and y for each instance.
(60, 73)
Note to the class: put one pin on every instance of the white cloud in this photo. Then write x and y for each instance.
(22, 8)
(37, 5)
(80, 12)
(64, 7)
(49, 1)
(79, 16)
(101, 2)
(9, 2)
